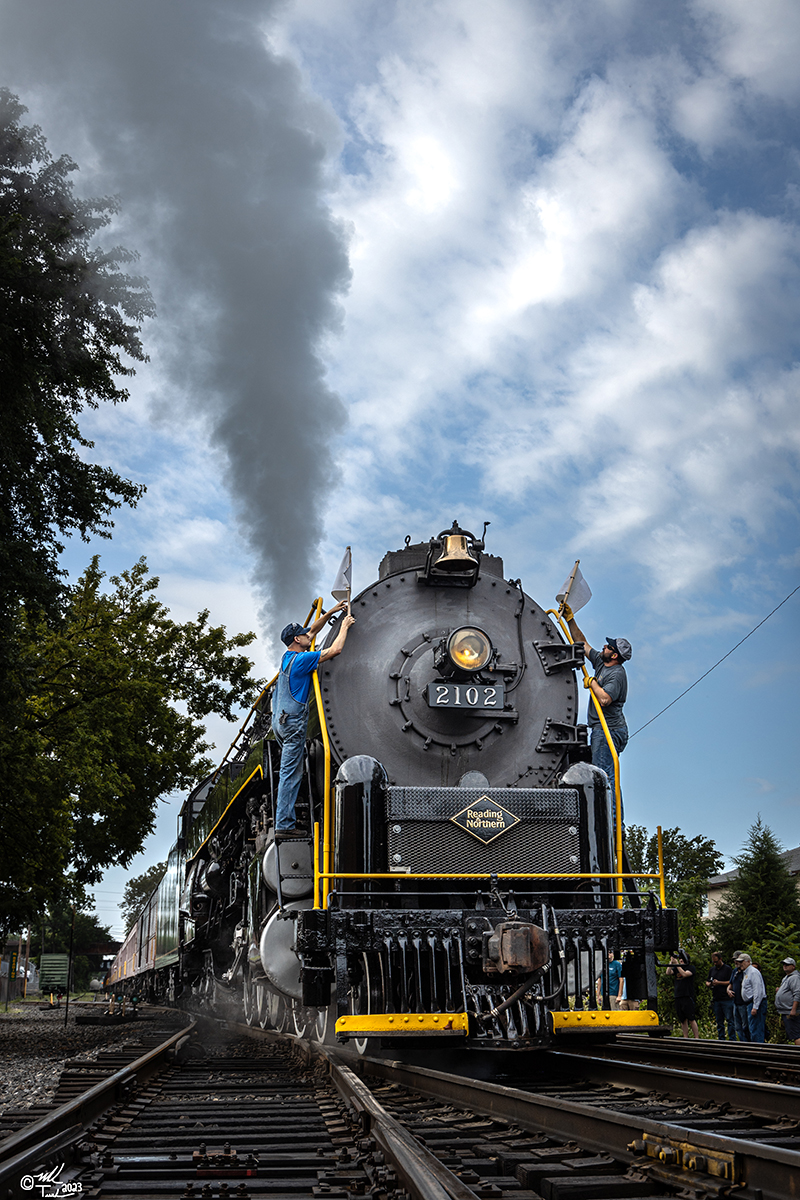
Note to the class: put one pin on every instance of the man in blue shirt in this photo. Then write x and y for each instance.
(610, 687)
(290, 708)
(616, 984)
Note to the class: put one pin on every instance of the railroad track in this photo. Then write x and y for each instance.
(743, 1060)
(149, 1032)
(269, 1116)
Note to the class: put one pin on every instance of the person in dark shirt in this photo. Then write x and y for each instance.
(718, 980)
(609, 687)
(684, 974)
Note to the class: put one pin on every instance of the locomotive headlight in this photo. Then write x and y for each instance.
(469, 649)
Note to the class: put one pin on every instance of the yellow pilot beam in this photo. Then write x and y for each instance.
(603, 1021)
(403, 1024)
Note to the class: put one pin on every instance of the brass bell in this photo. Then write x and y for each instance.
(456, 556)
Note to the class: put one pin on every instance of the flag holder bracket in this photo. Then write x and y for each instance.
(556, 656)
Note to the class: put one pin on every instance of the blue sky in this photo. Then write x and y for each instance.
(533, 263)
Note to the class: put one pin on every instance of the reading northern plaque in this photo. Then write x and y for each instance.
(485, 819)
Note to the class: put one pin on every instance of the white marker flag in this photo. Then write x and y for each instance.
(344, 578)
(575, 590)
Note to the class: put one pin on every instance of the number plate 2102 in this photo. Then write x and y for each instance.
(465, 695)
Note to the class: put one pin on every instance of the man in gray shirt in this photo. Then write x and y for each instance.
(787, 1000)
(754, 992)
(609, 686)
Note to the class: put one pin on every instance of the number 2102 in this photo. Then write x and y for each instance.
(448, 695)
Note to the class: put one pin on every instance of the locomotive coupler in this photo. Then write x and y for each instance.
(515, 947)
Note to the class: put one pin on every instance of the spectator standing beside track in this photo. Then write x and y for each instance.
(630, 970)
(616, 984)
(787, 1000)
(683, 971)
(755, 994)
(740, 1022)
(718, 980)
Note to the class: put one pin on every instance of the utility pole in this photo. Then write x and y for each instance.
(69, 966)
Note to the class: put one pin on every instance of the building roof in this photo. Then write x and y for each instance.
(791, 859)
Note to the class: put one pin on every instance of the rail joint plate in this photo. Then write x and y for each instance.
(685, 1157)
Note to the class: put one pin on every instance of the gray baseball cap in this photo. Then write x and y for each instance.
(622, 646)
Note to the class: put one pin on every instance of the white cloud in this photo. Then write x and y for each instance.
(705, 110)
(757, 42)
(583, 311)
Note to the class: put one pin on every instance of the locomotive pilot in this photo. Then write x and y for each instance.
(290, 707)
(610, 687)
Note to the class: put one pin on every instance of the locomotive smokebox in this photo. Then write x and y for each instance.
(458, 679)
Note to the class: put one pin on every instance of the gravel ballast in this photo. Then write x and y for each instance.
(34, 1045)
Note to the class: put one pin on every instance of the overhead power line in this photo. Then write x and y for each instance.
(716, 664)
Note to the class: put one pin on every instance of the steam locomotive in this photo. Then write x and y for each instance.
(455, 873)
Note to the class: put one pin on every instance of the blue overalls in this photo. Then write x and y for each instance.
(289, 723)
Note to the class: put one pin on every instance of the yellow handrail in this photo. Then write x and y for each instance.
(615, 759)
(254, 705)
(488, 875)
(661, 868)
(326, 792)
(257, 771)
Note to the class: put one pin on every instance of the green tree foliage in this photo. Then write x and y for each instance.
(761, 894)
(684, 858)
(68, 315)
(115, 693)
(137, 892)
(50, 934)
(688, 864)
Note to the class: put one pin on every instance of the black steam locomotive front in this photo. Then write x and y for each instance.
(468, 889)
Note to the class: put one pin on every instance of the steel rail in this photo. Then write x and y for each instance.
(740, 1059)
(67, 1123)
(421, 1172)
(764, 1098)
(760, 1050)
(769, 1171)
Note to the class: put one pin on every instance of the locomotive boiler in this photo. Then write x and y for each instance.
(455, 873)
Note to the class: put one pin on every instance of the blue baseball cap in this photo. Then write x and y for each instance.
(291, 632)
